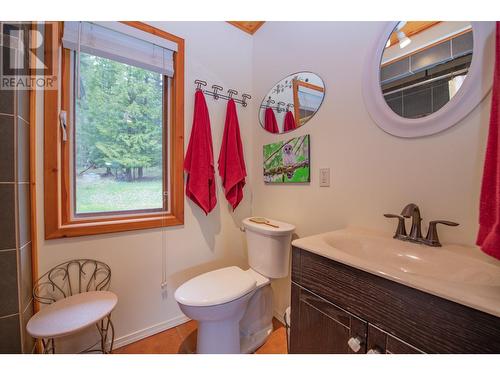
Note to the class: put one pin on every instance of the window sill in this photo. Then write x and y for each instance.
(90, 227)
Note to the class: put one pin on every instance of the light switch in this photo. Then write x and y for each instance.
(324, 177)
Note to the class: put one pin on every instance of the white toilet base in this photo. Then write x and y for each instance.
(239, 326)
(218, 337)
(257, 323)
(218, 326)
(250, 344)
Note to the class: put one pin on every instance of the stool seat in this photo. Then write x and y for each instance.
(71, 314)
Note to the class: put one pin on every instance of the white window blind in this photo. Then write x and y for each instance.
(116, 41)
(309, 99)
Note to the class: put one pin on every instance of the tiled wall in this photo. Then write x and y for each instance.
(16, 302)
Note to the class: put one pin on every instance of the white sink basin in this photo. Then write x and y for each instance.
(458, 273)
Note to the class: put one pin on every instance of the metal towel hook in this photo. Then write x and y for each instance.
(288, 107)
(278, 107)
(199, 83)
(232, 92)
(244, 100)
(270, 101)
(216, 89)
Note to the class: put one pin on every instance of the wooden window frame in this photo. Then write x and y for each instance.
(57, 196)
(296, 102)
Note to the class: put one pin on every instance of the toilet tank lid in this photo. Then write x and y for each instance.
(283, 228)
(215, 287)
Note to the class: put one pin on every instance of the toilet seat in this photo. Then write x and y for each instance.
(216, 287)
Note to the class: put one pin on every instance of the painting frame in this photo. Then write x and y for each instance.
(287, 161)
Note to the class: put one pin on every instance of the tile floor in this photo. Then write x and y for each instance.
(182, 340)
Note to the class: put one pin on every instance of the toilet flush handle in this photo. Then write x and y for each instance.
(242, 228)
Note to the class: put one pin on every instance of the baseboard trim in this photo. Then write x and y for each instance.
(279, 315)
(149, 331)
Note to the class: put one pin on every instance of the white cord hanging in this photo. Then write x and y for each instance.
(164, 252)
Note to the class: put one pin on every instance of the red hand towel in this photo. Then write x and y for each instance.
(270, 123)
(231, 161)
(488, 237)
(289, 123)
(199, 160)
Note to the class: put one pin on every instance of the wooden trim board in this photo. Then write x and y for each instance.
(249, 27)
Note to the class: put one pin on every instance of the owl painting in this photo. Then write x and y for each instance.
(289, 159)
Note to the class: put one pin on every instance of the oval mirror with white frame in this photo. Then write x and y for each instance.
(423, 77)
(291, 102)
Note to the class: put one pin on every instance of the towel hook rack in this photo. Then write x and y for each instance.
(217, 90)
(281, 107)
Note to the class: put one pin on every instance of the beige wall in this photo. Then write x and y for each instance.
(372, 172)
(220, 54)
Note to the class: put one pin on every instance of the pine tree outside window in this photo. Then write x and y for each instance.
(118, 139)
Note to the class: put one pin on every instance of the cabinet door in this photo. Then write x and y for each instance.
(381, 342)
(319, 327)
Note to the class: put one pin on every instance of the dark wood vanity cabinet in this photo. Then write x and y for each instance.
(333, 303)
(380, 342)
(323, 328)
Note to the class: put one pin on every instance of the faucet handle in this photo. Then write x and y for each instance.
(445, 222)
(401, 229)
(432, 238)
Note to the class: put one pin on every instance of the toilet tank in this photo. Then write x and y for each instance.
(269, 247)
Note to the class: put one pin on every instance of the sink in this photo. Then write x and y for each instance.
(459, 273)
(415, 259)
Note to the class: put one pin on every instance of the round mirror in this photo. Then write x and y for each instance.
(422, 77)
(291, 102)
(424, 64)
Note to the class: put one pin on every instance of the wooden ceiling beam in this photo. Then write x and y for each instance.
(249, 27)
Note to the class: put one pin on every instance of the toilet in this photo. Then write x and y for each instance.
(234, 307)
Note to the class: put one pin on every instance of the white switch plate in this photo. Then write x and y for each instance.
(324, 177)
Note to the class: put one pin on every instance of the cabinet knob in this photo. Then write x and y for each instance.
(374, 351)
(355, 343)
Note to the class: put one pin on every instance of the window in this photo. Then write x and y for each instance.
(114, 144)
(118, 138)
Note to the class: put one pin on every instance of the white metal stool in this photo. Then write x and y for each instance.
(77, 297)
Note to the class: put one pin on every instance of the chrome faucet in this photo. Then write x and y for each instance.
(412, 210)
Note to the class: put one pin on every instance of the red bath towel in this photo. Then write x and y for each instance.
(231, 161)
(199, 160)
(289, 123)
(488, 237)
(270, 123)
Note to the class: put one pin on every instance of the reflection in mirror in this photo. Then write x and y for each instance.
(424, 64)
(291, 102)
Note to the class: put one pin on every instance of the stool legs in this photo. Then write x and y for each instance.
(106, 330)
(48, 346)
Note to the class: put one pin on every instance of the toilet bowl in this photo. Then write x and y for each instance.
(234, 307)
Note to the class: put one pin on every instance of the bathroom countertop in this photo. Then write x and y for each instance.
(463, 274)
